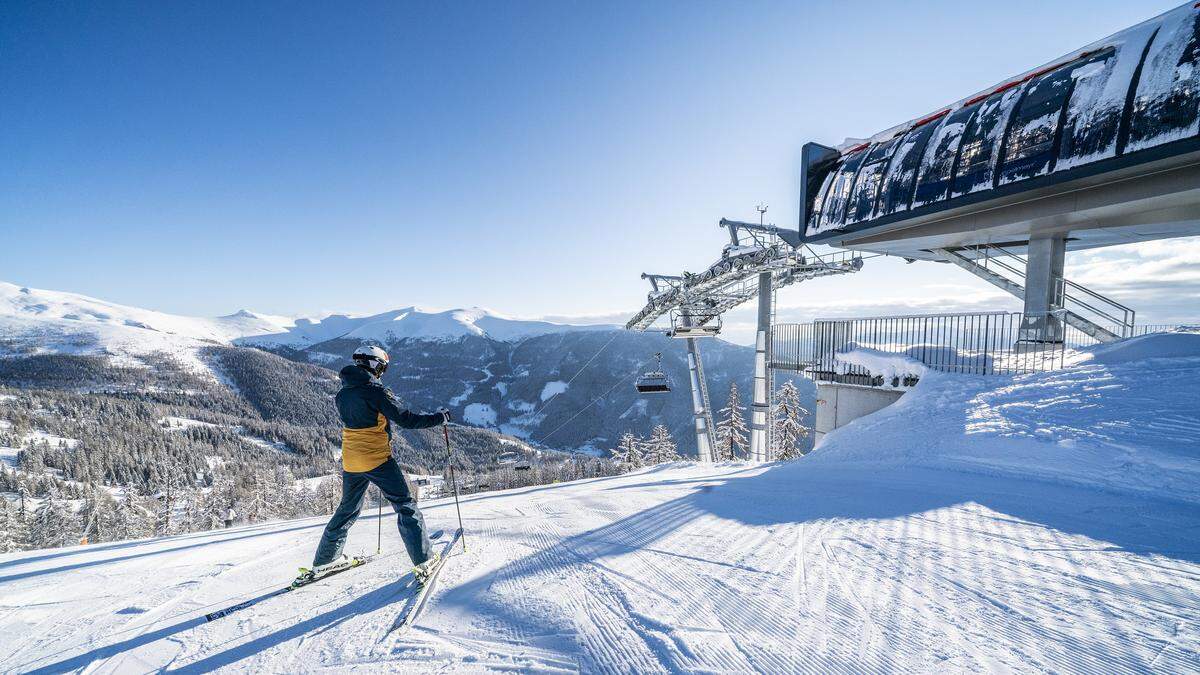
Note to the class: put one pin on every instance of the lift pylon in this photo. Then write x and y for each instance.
(756, 259)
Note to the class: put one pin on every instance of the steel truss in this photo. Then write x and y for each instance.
(755, 258)
(733, 279)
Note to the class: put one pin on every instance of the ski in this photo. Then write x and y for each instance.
(417, 603)
(357, 561)
(350, 563)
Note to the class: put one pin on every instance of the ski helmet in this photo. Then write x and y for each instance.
(372, 358)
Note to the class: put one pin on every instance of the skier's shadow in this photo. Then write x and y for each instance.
(375, 599)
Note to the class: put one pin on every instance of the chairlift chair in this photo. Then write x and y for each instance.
(654, 381)
(695, 325)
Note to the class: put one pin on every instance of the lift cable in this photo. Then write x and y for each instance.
(577, 373)
(620, 382)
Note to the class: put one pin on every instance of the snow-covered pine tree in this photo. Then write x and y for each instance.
(628, 452)
(281, 493)
(169, 479)
(731, 428)
(97, 516)
(194, 519)
(53, 523)
(329, 493)
(661, 447)
(208, 512)
(12, 528)
(218, 500)
(132, 520)
(22, 497)
(306, 502)
(789, 429)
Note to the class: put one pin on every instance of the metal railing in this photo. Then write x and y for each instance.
(1092, 306)
(983, 343)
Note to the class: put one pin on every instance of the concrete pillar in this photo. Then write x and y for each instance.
(703, 437)
(760, 409)
(1043, 278)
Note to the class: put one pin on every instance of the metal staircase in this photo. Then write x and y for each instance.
(1081, 308)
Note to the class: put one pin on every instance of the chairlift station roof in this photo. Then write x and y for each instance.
(1103, 144)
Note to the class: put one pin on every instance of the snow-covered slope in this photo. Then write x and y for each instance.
(70, 309)
(1126, 417)
(34, 321)
(873, 554)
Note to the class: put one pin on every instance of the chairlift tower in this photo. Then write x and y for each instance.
(756, 261)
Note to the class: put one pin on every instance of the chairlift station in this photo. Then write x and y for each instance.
(1097, 148)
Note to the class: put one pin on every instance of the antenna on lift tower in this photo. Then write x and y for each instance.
(762, 211)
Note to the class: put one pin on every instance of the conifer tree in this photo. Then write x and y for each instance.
(97, 516)
(132, 520)
(329, 493)
(789, 429)
(628, 452)
(12, 528)
(661, 447)
(731, 428)
(53, 524)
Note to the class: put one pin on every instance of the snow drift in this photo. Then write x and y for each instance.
(1125, 418)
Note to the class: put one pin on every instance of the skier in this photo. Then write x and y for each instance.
(366, 407)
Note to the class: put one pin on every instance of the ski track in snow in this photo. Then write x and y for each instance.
(1002, 536)
(678, 569)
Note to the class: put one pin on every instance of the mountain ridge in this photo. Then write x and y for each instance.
(82, 315)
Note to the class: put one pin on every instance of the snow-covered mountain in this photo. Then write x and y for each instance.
(1039, 523)
(55, 320)
(525, 378)
(73, 313)
(410, 323)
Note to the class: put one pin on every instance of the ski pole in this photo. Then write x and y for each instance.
(379, 521)
(454, 483)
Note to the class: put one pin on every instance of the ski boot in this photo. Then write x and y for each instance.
(423, 571)
(307, 576)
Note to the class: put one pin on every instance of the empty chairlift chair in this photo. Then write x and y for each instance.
(654, 381)
(695, 325)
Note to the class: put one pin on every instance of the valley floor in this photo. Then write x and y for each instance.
(807, 567)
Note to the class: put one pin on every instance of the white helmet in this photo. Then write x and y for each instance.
(372, 358)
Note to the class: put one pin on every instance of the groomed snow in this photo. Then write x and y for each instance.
(993, 526)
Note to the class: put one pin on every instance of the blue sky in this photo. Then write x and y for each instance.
(533, 158)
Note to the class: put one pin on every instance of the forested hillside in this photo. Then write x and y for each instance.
(92, 449)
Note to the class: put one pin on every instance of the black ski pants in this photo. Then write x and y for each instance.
(354, 486)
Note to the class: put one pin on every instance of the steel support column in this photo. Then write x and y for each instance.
(699, 412)
(1043, 281)
(760, 408)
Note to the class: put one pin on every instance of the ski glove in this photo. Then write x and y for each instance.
(445, 415)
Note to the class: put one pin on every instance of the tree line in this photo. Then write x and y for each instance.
(788, 434)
